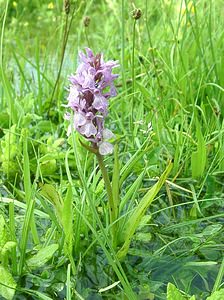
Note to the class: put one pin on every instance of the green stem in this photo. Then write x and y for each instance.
(161, 111)
(123, 45)
(112, 200)
(66, 31)
(108, 187)
(65, 39)
(133, 75)
(87, 38)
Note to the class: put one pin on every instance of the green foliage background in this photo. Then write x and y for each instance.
(170, 105)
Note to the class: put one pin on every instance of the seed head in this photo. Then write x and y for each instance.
(67, 6)
(86, 21)
(137, 13)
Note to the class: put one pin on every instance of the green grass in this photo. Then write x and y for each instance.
(53, 203)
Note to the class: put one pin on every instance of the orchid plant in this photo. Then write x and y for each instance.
(90, 89)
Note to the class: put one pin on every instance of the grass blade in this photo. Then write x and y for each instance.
(139, 212)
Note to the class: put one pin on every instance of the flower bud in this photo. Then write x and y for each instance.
(137, 13)
(86, 21)
(67, 6)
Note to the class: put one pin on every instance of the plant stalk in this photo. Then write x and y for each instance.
(112, 208)
(133, 75)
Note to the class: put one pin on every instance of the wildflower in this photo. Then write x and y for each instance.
(141, 123)
(149, 128)
(50, 5)
(90, 89)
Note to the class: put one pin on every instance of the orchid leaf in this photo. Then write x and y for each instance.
(7, 284)
(198, 158)
(136, 217)
(49, 192)
(173, 293)
(218, 295)
(42, 256)
(67, 219)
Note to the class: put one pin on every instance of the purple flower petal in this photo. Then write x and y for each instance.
(107, 134)
(88, 98)
(73, 97)
(88, 129)
(72, 79)
(100, 102)
(67, 116)
(105, 148)
(89, 52)
(79, 119)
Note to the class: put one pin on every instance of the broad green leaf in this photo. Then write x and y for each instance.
(8, 247)
(145, 221)
(143, 89)
(135, 218)
(49, 192)
(192, 298)
(173, 293)
(218, 295)
(29, 221)
(132, 190)
(48, 167)
(46, 126)
(40, 296)
(3, 232)
(100, 187)
(10, 151)
(58, 142)
(7, 284)
(143, 236)
(198, 158)
(211, 229)
(4, 119)
(128, 167)
(47, 157)
(5, 244)
(10, 95)
(67, 219)
(42, 256)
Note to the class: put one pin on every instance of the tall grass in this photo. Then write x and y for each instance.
(51, 188)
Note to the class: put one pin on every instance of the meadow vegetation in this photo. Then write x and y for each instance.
(57, 237)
